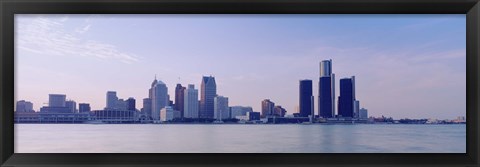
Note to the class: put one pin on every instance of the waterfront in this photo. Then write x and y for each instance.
(236, 138)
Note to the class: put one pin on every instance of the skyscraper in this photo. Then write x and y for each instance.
(179, 99)
(84, 107)
(306, 98)
(131, 104)
(356, 109)
(267, 108)
(191, 102)
(56, 100)
(326, 90)
(221, 110)
(207, 95)
(159, 96)
(112, 100)
(346, 100)
(147, 107)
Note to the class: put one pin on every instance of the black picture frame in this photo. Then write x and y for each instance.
(10, 7)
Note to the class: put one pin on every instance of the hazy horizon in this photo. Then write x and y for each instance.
(404, 65)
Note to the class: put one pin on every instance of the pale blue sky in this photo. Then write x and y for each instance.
(405, 65)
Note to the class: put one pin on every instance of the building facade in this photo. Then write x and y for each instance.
(72, 106)
(159, 96)
(24, 106)
(346, 100)
(115, 116)
(239, 111)
(356, 109)
(221, 110)
(168, 113)
(56, 100)
(191, 104)
(306, 98)
(267, 108)
(49, 109)
(121, 105)
(49, 117)
(253, 116)
(130, 104)
(56, 104)
(280, 111)
(207, 94)
(179, 99)
(363, 113)
(112, 100)
(326, 90)
(84, 107)
(147, 107)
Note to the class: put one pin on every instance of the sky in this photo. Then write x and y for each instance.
(405, 66)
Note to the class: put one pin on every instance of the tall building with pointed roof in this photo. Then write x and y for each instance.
(207, 94)
(158, 93)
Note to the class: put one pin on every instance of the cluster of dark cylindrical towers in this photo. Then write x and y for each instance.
(326, 95)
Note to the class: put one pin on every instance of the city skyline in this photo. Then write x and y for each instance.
(128, 70)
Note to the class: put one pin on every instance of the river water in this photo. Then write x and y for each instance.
(239, 138)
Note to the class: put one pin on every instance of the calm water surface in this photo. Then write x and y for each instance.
(293, 138)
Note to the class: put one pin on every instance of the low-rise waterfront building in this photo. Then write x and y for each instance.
(363, 113)
(84, 107)
(241, 117)
(253, 116)
(221, 110)
(239, 111)
(49, 109)
(116, 116)
(283, 120)
(168, 113)
(46, 117)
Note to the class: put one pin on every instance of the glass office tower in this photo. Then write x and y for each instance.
(326, 90)
(306, 98)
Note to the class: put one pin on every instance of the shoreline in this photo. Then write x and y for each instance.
(244, 123)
